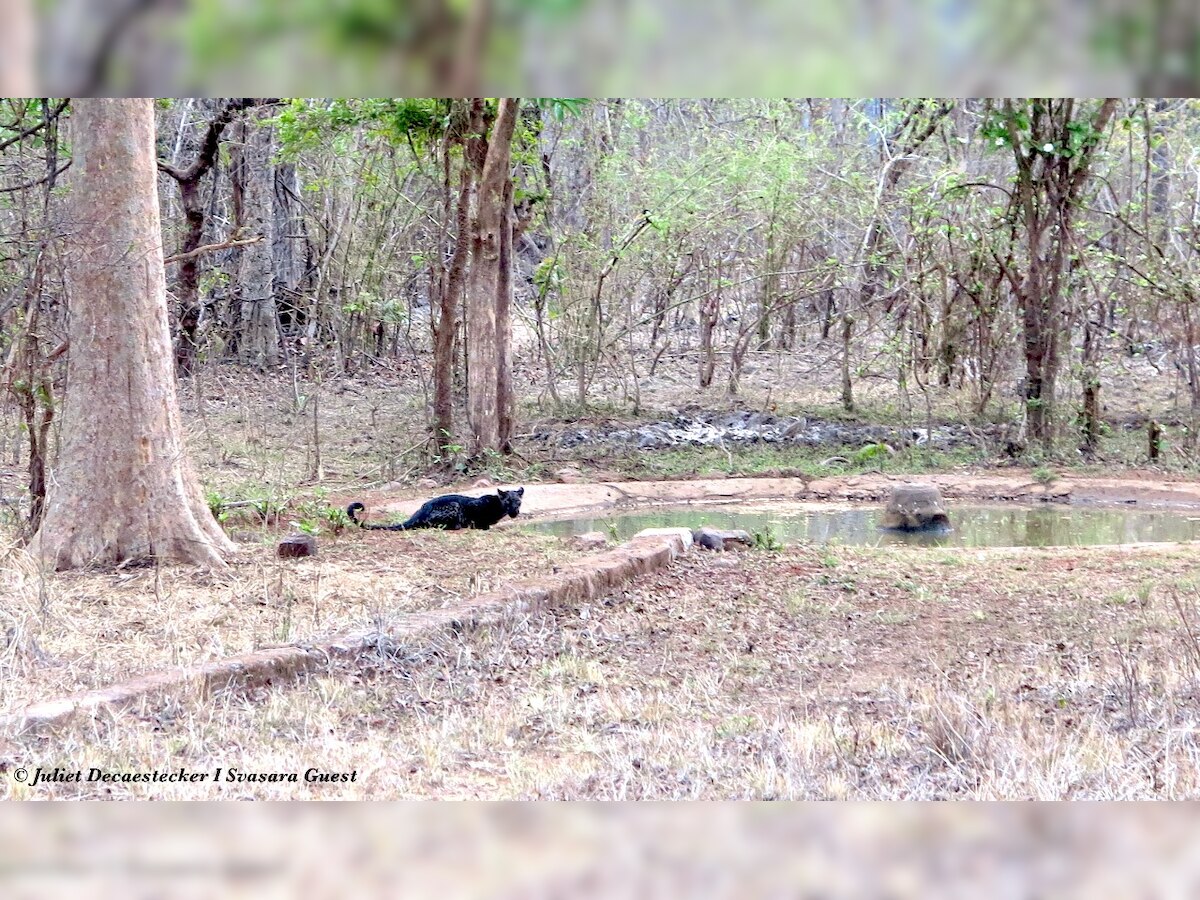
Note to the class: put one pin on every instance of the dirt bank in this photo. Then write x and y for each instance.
(547, 500)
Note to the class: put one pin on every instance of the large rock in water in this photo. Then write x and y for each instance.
(915, 507)
(719, 539)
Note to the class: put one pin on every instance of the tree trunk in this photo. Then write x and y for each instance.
(505, 397)
(1047, 190)
(1040, 326)
(259, 342)
(847, 386)
(123, 489)
(450, 283)
(1090, 375)
(710, 312)
(483, 295)
(289, 250)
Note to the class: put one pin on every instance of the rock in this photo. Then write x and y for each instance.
(427, 484)
(684, 534)
(483, 482)
(915, 507)
(592, 540)
(296, 545)
(719, 539)
(569, 475)
(737, 536)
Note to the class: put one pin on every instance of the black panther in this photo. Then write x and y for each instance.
(453, 511)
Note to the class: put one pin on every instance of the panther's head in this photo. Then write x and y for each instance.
(511, 500)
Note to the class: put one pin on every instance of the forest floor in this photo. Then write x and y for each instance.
(811, 672)
(815, 671)
(75, 631)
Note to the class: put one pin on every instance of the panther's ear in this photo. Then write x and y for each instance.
(519, 491)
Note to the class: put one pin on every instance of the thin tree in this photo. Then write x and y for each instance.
(918, 124)
(489, 291)
(258, 343)
(123, 489)
(189, 179)
(1053, 143)
(466, 131)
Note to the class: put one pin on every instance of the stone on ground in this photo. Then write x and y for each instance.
(297, 545)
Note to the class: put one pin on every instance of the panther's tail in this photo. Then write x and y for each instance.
(354, 508)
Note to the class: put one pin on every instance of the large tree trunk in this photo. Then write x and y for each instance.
(259, 341)
(123, 489)
(483, 296)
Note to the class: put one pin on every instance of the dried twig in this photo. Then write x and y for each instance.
(210, 248)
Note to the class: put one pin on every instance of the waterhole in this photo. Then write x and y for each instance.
(973, 526)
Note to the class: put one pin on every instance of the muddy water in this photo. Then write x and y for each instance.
(973, 526)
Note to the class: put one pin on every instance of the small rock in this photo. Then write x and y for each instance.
(592, 540)
(296, 545)
(427, 484)
(569, 475)
(483, 482)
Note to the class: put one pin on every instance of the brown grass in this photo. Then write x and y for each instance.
(812, 673)
(78, 630)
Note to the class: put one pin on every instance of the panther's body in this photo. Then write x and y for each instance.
(452, 512)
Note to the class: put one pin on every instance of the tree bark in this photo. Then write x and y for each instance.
(486, 283)
(123, 489)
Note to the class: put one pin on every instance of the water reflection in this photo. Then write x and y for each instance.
(974, 526)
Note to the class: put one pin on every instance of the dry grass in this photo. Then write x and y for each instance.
(79, 630)
(813, 673)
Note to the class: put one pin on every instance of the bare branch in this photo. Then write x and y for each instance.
(210, 248)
